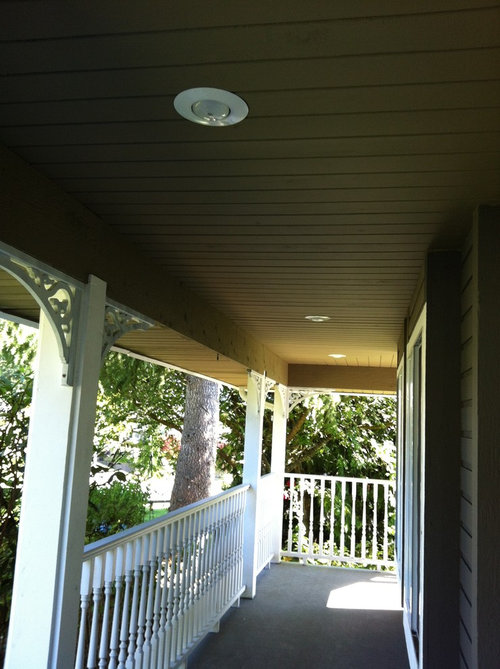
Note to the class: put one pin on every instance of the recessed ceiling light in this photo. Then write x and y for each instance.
(317, 319)
(336, 355)
(211, 106)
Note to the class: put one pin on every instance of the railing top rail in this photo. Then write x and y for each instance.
(326, 477)
(107, 543)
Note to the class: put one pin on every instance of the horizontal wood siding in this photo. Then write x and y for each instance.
(467, 501)
(486, 467)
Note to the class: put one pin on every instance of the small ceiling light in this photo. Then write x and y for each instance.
(317, 319)
(211, 106)
(336, 355)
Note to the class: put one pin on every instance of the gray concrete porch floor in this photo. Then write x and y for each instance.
(311, 617)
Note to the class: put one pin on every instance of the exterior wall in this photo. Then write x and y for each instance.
(468, 464)
(480, 452)
(431, 518)
(441, 462)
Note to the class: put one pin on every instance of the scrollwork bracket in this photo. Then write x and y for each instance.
(117, 322)
(60, 301)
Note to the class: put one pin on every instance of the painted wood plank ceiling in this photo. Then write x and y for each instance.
(372, 135)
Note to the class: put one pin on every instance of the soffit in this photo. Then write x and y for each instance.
(372, 135)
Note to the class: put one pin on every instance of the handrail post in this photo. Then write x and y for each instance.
(278, 453)
(54, 502)
(256, 396)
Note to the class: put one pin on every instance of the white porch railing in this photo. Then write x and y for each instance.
(336, 519)
(265, 521)
(150, 593)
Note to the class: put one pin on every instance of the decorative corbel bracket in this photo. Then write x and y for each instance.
(117, 322)
(297, 395)
(264, 385)
(59, 299)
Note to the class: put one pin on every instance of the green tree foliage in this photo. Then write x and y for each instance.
(114, 508)
(232, 412)
(326, 434)
(138, 404)
(343, 436)
(17, 350)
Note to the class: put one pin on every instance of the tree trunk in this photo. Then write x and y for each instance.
(195, 470)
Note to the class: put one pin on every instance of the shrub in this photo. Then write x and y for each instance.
(114, 508)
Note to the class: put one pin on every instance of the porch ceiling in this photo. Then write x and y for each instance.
(372, 135)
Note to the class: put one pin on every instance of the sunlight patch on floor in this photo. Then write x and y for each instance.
(379, 593)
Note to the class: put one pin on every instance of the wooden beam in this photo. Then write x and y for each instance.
(41, 220)
(346, 379)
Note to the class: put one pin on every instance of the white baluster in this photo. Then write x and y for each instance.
(97, 596)
(177, 591)
(342, 519)
(227, 553)
(386, 520)
(321, 515)
(302, 525)
(165, 587)
(215, 559)
(194, 576)
(173, 550)
(230, 564)
(159, 571)
(333, 492)
(208, 560)
(188, 552)
(148, 626)
(129, 577)
(197, 576)
(353, 519)
(84, 606)
(363, 530)
(312, 488)
(291, 492)
(115, 626)
(184, 586)
(375, 540)
(193, 588)
(132, 629)
(209, 555)
(108, 589)
(207, 564)
(234, 546)
(200, 603)
(141, 618)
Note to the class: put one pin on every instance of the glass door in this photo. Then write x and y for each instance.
(413, 481)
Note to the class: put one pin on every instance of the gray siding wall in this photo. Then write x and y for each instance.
(468, 501)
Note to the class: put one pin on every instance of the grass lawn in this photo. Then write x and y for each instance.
(154, 513)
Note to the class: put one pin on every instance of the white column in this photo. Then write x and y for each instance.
(280, 416)
(256, 396)
(42, 630)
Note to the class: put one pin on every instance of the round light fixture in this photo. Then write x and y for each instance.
(211, 106)
(337, 356)
(317, 319)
